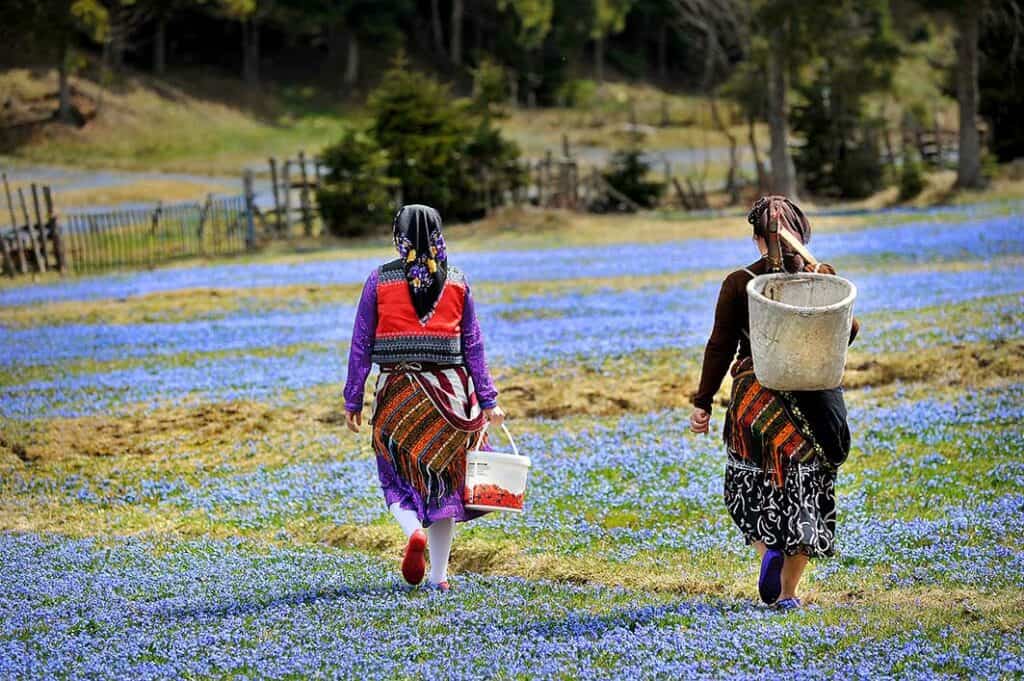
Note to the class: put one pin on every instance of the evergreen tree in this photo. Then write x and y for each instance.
(841, 155)
(357, 194)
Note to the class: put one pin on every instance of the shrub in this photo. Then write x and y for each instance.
(578, 93)
(357, 194)
(490, 87)
(439, 148)
(911, 177)
(628, 172)
(840, 156)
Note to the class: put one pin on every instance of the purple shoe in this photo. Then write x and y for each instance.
(769, 584)
(788, 604)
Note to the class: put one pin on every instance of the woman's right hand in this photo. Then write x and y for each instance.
(700, 421)
(353, 420)
(495, 416)
(820, 268)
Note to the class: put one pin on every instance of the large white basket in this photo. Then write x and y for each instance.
(496, 481)
(800, 329)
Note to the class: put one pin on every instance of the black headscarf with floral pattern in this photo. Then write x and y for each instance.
(422, 250)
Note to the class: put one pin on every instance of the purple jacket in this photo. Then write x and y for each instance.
(361, 349)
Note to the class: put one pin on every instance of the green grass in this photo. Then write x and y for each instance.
(194, 123)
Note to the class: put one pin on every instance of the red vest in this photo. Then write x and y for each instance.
(401, 337)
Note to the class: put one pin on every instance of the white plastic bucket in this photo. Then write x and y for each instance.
(496, 481)
(800, 329)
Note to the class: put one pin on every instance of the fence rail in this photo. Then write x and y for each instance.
(98, 241)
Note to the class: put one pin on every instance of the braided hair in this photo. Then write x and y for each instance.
(790, 216)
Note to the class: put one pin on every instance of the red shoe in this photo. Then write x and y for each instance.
(413, 565)
(443, 587)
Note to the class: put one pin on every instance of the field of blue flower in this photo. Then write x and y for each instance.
(179, 498)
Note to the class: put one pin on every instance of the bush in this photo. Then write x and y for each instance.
(628, 172)
(490, 87)
(840, 156)
(437, 150)
(357, 194)
(911, 177)
(579, 93)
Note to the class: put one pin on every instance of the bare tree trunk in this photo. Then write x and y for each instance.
(456, 28)
(160, 47)
(117, 38)
(352, 62)
(251, 52)
(599, 59)
(731, 186)
(435, 23)
(64, 113)
(335, 33)
(762, 176)
(663, 52)
(968, 171)
(478, 30)
(783, 177)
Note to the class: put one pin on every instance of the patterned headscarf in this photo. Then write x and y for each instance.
(790, 216)
(421, 248)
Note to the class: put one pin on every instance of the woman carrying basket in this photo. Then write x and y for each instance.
(434, 395)
(783, 447)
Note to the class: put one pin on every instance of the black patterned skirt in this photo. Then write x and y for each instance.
(797, 517)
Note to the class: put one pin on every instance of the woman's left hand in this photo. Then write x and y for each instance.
(495, 417)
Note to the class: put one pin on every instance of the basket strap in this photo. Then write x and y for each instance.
(774, 247)
(752, 276)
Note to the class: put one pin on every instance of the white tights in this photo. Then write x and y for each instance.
(439, 542)
(439, 539)
(407, 519)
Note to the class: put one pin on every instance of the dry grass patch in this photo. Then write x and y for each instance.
(143, 191)
(215, 427)
(175, 306)
(636, 384)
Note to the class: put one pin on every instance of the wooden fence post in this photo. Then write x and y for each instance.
(14, 231)
(547, 173)
(40, 263)
(277, 196)
(90, 236)
(574, 184)
(70, 237)
(8, 258)
(287, 182)
(40, 225)
(154, 226)
(10, 202)
(53, 226)
(250, 208)
(201, 230)
(307, 218)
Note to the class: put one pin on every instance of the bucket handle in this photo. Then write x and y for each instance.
(508, 435)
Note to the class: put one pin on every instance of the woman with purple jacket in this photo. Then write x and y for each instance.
(434, 395)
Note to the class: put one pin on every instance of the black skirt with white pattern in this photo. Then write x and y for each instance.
(799, 517)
